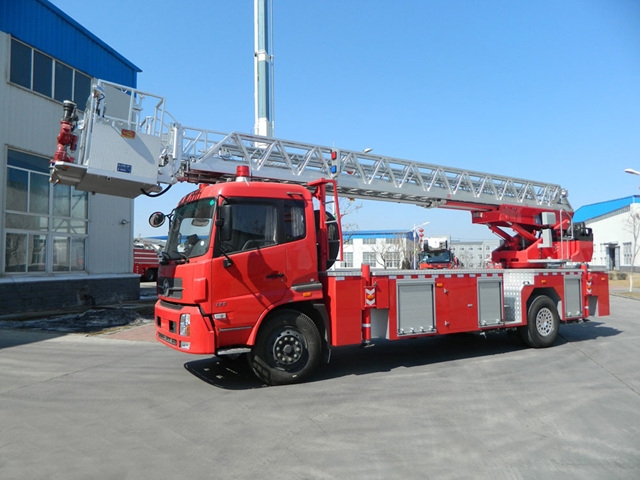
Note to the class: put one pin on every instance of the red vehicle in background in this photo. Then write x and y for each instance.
(437, 254)
(146, 262)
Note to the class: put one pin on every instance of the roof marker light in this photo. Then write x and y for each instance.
(242, 173)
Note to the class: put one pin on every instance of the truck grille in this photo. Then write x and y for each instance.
(170, 287)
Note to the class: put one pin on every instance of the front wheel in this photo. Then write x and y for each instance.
(287, 349)
(543, 323)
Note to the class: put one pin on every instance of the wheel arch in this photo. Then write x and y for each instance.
(547, 292)
(315, 311)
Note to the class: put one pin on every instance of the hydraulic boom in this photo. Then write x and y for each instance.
(127, 149)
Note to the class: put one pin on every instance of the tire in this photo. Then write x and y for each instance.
(287, 349)
(333, 239)
(543, 323)
(150, 275)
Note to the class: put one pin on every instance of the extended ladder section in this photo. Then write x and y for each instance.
(129, 145)
(126, 150)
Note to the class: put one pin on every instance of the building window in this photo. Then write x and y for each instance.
(392, 260)
(20, 64)
(347, 260)
(42, 73)
(46, 226)
(39, 72)
(64, 82)
(626, 253)
(369, 241)
(369, 258)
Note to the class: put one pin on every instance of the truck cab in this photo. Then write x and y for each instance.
(437, 254)
(237, 253)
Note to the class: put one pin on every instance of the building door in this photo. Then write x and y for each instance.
(613, 256)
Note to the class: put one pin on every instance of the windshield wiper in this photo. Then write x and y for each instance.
(165, 258)
(168, 257)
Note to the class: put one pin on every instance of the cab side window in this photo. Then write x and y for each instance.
(260, 224)
(254, 225)
(294, 225)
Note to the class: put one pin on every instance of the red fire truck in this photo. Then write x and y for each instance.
(146, 262)
(437, 254)
(247, 265)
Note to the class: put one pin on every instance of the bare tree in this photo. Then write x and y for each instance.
(384, 252)
(633, 226)
(347, 207)
(408, 250)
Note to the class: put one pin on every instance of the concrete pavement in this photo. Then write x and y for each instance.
(74, 407)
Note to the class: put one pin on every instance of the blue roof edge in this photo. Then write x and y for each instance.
(74, 23)
(594, 210)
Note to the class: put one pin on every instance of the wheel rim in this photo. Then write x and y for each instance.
(544, 322)
(288, 348)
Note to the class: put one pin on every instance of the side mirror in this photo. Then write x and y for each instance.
(224, 223)
(157, 219)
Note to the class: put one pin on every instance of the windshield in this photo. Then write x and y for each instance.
(436, 257)
(190, 231)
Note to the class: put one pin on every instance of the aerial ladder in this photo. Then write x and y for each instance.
(127, 144)
(247, 267)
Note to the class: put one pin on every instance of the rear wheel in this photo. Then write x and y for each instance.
(287, 349)
(150, 275)
(543, 323)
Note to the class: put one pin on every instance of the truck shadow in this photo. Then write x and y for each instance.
(387, 355)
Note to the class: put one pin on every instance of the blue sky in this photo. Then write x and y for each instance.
(543, 90)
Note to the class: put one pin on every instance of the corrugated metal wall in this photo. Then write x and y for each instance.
(45, 27)
(31, 122)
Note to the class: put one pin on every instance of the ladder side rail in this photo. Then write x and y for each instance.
(373, 174)
(439, 182)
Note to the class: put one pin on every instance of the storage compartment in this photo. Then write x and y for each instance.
(416, 307)
(489, 302)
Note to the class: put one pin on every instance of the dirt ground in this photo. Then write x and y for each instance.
(620, 287)
(98, 320)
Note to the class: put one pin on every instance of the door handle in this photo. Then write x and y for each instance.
(275, 275)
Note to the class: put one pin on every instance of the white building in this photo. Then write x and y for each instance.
(377, 248)
(616, 232)
(58, 247)
(395, 249)
(474, 253)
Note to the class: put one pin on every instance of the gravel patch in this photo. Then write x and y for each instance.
(90, 321)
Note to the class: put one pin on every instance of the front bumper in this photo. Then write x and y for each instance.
(182, 327)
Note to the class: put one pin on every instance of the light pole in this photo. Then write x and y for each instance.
(632, 172)
(414, 234)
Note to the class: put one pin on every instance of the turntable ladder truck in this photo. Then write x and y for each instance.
(247, 266)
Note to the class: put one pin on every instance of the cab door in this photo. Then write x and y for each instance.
(252, 276)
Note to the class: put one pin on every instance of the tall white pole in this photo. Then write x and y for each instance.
(263, 69)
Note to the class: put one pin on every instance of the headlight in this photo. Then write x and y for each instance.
(185, 325)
